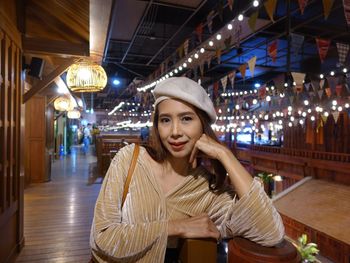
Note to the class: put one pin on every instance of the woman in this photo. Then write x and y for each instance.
(171, 194)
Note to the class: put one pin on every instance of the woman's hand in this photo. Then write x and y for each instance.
(211, 148)
(199, 226)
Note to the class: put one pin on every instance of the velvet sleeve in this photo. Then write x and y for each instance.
(253, 216)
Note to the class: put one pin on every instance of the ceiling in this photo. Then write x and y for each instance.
(143, 33)
(133, 38)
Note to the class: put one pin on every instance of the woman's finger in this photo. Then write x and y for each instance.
(193, 153)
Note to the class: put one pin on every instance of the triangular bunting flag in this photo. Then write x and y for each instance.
(291, 99)
(186, 46)
(231, 77)
(224, 83)
(332, 82)
(327, 6)
(319, 93)
(218, 55)
(328, 92)
(199, 32)
(302, 5)
(307, 86)
(298, 78)
(272, 50)
(346, 5)
(323, 46)
(296, 42)
(322, 81)
(208, 61)
(230, 4)
(338, 89)
(227, 42)
(343, 50)
(210, 21)
(216, 89)
(201, 68)
(324, 118)
(251, 64)
(180, 51)
(315, 84)
(252, 20)
(242, 68)
(335, 116)
(270, 6)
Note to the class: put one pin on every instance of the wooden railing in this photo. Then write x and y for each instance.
(107, 146)
(329, 156)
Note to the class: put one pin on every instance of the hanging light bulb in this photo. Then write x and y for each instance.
(256, 3)
(211, 43)
(229, 26)
(240, 17)
(73, 114)
(202, 50)
(86, 76)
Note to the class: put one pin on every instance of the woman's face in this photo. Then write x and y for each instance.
(179, 127)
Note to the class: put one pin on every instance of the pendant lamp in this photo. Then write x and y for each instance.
(86, 76)
(73, 114)
(62, 103)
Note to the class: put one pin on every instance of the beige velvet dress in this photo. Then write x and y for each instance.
(138, 232)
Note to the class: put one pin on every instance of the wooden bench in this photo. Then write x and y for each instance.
(108, 145)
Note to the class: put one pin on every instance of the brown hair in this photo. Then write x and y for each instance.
(158, 152)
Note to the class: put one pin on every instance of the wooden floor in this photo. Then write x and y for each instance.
(58, 214)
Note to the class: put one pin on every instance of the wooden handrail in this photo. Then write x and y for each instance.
(245, 251)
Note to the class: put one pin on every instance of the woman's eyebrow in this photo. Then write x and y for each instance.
(179, 114)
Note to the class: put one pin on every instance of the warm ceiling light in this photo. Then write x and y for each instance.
(63, 103)
(86, 76)
(73, 114)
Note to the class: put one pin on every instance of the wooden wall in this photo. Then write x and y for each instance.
(334, 249)
(11, 173)
(330, 136)
(37, 163)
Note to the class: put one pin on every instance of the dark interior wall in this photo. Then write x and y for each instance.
(11, 172)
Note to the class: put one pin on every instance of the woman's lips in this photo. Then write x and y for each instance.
(177, 146)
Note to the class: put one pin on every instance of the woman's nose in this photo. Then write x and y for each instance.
(176, 130)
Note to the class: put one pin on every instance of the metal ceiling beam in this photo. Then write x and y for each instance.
(171, 5)
(137, 29)
(179, 30)
(129, 70)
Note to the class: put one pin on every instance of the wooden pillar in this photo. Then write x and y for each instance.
(11, 187)
(37, 163)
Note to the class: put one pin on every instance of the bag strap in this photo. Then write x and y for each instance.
(130, 171)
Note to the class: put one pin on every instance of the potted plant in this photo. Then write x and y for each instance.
(308, 251)
(266, 178)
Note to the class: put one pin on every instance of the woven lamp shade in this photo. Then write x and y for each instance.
(63, 103)
(73, 114)
(86, 76)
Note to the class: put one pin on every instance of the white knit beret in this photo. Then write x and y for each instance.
(186, 90)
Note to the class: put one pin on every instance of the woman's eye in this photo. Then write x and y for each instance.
(164, 120)
(187, 118)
